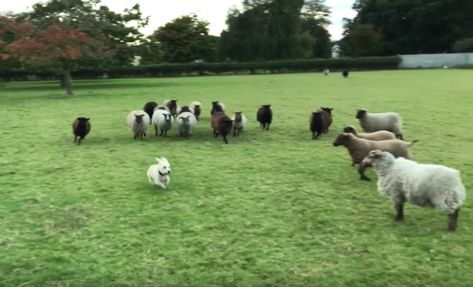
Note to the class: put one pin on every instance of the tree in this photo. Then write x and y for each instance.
(185, 39)
(463, 46)
(276, 29)
(88, 16)
(415, 26)
(53, 47)
(363, 40)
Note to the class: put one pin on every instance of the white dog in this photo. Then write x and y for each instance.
(158, 174)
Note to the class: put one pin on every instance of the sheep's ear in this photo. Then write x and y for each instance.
(87, 119)
(157, 159)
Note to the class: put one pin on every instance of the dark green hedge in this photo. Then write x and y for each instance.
(166, 70)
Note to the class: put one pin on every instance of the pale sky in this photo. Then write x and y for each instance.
(212, 11)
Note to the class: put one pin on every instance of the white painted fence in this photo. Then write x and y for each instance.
(435, 60)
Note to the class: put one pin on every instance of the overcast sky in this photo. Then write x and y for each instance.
(212, 11)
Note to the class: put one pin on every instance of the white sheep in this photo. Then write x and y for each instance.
(186, 123)
(158, 174)
(239, 123)
(372, 122)
(421, 184)
(162, 120)
(138, 121)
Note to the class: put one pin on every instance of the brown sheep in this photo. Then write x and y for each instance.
(222, 125)
(359, 148)
(375, 136)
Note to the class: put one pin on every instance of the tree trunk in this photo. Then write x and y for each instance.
(68, 82)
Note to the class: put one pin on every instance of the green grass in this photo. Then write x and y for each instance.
(269, 209)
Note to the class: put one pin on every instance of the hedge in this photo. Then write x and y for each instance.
(167, 70)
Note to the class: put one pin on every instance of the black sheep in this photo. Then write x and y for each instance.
(264, 116)
(316, 124)
(149, 108)
(80, 128)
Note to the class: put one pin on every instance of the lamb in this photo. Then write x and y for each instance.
(80, 128)
(372, 122)
(359, 148)
(138, 122)
(158, 174)
(345, 73)
(172, 106)
(217, 107)
(264, 116)
(186, 123)
(427, 185)
(162, 120)
(221, 124)
(374, 136)
(149, 108)
(196, 108)
(326, 71)
(239, 123)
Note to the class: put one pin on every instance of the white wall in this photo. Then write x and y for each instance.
(435, 60)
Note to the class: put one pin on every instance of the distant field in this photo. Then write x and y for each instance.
(269, 209)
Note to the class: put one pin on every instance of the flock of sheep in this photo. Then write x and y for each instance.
(381, 147)
(399, 177)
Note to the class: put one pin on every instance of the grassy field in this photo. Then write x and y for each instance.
(269, 209)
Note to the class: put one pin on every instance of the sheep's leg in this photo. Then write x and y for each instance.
(234, 131)
(361, 172)
(399, 207)
(452, 220)
(267, 127)
(75, 139)
(156, 130)
(225, 138)
(215, 133)
(78, 142)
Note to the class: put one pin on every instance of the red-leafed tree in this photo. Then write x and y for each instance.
(53, 47)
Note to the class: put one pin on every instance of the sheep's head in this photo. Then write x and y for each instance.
(185, 120)
(341, 139)
(237, 116)
(360, 113)
(139, 118)
(377, 158)
(328, 110)
(349, 129)
(164, 167)
(167, 117)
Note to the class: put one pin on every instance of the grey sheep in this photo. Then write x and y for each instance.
(372, 122)
(427, 185)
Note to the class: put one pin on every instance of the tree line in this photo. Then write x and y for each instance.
(392, 27)
(66, 35)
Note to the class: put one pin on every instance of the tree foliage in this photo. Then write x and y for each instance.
(412, 26)
(53, 46)
(121, 30)
(185, 39)
(276, 29)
